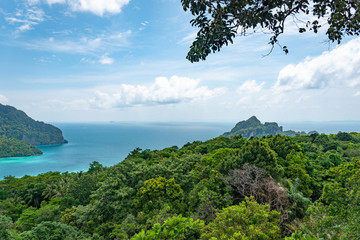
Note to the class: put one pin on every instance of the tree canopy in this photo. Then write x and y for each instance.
(220, 21)
(274, 187)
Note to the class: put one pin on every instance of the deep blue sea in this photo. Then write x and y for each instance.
(110, 143)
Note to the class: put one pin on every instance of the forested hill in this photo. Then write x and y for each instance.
(254, 128)
(16, 124)
(11, 147)
(276, 187)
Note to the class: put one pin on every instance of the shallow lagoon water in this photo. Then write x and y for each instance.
(108, 144)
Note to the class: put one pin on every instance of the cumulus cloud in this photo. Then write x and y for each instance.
(3, 99)
(98, 7)
(162, 91)
(248, 91)
(106, 60)
(339, 67)
(250, 86)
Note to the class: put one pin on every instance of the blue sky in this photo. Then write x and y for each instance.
(124, 60)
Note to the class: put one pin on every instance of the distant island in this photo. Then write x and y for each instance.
(254, 128)
(19, 133)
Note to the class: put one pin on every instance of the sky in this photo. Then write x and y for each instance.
(125, 60)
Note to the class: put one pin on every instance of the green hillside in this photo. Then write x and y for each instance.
(11, 147)
(254, 128)
(19, 133)
(16, 124)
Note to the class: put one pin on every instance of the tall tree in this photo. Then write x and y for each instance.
(220, 21)
(248, 220)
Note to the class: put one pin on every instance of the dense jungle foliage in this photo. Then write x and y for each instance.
(275, 187)
(10, 147)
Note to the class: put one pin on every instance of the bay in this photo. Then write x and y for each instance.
(110, 143)
(107, 143)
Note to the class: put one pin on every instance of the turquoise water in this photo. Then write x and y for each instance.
(108, 144)
(111, 143)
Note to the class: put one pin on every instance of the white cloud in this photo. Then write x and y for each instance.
(249, 87)
(25, 27)
(144, 23)
(98, 7)
(33, 2)
(83, 45)
(3, 99)
(50, 2)
(339, 67)
(65, 32)
(188, 38)
(106, 60)
(249, 91)
(27, 19)
(87, 60)
(35, 14)
(162, 91)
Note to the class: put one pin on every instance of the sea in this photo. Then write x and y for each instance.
(110, 143)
